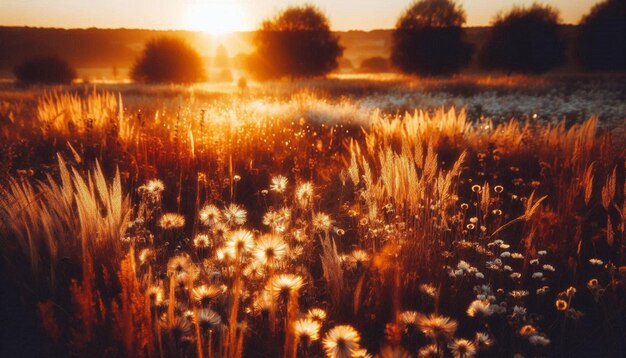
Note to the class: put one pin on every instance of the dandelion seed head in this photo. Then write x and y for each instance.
(462, 348)
(269, 249)
(304, 194)
(210, 215)
(307, 328)
(201, 241)
(279, 184)
(341, 341)
(170, 221)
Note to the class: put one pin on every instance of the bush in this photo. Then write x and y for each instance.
(601, 44)
(296, 43)
(45, 70)
(168, 60)
(374, 64)
(429, 39)
(525, 40)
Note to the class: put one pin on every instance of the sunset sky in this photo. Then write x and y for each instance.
(238, 15)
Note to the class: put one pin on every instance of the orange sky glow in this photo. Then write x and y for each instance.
(221, 16)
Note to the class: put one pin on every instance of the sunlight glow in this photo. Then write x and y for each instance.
(215, 17)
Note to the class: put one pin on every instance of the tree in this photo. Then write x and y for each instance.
(45, 70)
(296, 43)
(429, 39)
(168, 60)
(374, 64)
(601, 44)
(526, 40)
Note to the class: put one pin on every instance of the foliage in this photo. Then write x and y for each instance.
(429, 39)
(45, 70)
(298, 42)
(374, 64)
(168, 60)
(526, 40)
(600, 44)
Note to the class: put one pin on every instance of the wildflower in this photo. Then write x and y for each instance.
(519, 311)
(483, 340)
(201, 241)
(235, 215)
(517, 256)
(341, 341)
(207, 319)
(358, 257)
(154, 186)
(322, 222)
(437, 327)
(204, 294)
(538, 340)
(307, 329)
(317, 314)
(498, 188)
(145, 255)
(155, 295)
(269, 248)
(593, 284)
(263, 302)
(179, 327)
(476, 188)
(299, 235)
(462, 348)
(518, 293)
(304, 194)
(479, 308)
(596, 262)
(527, 330)
(543, 290)
(284, 284)
(542, 252)
(428, 289)
(505, 254)
(179, 265)
(210, 215)
(515, 275)
(239, 242)
(548, 268)
(479, 275)
(171, 221)
(537, 275)
(279, 184)
(561, 305)
(409, 318)
(429, 351)
(570, 292)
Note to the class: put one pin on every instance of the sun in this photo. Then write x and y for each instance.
(215, 16)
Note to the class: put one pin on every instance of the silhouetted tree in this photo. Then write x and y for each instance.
(526, 40)
(429, 39)
(374, 64)
(296, 43)
(602, 40)
(168, 60)
(45, 70)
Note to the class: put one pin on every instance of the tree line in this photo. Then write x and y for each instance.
(428, 40)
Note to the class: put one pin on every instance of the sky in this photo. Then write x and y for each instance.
(219, 16)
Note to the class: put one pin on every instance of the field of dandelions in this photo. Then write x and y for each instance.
(329, 218)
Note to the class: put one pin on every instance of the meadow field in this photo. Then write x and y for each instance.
(354, 216)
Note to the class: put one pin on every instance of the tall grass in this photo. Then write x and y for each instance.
(274, 231)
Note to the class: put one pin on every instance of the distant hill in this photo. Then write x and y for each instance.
(103, 52)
